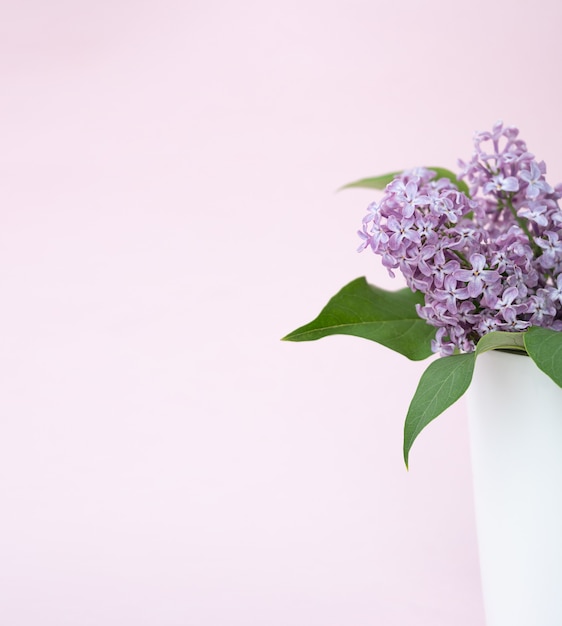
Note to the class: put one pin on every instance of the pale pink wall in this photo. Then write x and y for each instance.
(167, 181)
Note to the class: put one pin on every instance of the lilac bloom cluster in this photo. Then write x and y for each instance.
(491, 260)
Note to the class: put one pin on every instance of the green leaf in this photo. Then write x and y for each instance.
(376, 182)
(545, 348)
(387, 317)
(501, 340)
(441, 385)
(380, 182)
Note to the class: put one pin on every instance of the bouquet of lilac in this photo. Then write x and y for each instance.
(481, 253)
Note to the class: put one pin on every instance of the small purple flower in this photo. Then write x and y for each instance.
(490, 293)
(464, 236)
(501, 183)
(445, 348)
(535, 212)
(512, 322)
(542, 308)
(366, 239)
(408, 195)
(451, 294)
(426, 229)
(555, 293)
(440, 268)
(400, 231)
(505, 303)
(372, 233)
(487, 324)
(552, 249)
(442, 204)
(535, 182)
(476, 277)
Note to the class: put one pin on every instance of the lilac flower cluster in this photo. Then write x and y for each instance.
(491, 260)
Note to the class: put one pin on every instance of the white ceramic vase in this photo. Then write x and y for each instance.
(515, 418)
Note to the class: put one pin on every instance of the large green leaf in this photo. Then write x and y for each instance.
(387, 317)
(446, 380)
(441, 385)
(544, 346)
(380, 182)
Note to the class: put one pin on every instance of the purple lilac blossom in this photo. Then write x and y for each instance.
(491, 260)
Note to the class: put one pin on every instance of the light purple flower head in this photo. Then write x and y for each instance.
(491, 260)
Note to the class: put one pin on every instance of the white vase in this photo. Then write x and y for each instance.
(515, 418)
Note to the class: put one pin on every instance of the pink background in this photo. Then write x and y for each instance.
(168, 213)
